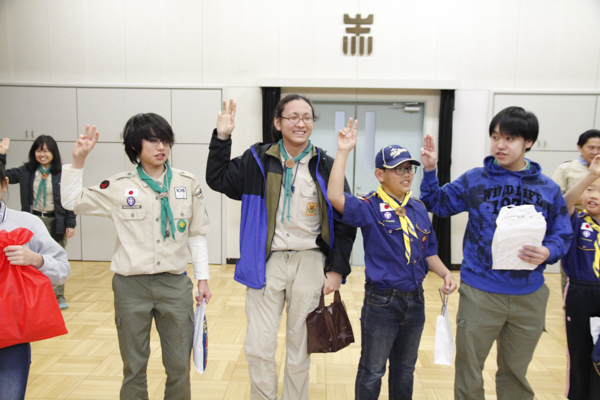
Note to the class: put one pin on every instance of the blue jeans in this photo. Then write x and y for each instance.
(14, 371)
(391, 325)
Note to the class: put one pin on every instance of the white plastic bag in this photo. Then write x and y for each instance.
(444, 341)
(516, 226)
(200, 344)
(595, 328)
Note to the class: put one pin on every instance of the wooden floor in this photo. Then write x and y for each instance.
(85, 364)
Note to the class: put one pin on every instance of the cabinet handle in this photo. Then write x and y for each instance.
(26, 134)
(32, 135)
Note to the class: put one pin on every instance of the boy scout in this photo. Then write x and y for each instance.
(158, 213)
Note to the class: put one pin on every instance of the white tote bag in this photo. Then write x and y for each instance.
(200, 344)
(444, 342)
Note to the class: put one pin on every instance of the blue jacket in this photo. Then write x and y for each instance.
(255, 179)
(482, 192)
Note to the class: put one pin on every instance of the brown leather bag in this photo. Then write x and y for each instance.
(329, 328)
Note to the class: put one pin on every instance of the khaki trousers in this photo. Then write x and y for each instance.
(516, 322)
(295, 278)
(167, 299)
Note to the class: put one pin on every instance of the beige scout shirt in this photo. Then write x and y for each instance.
(568, 174)
(136, 213)
(49, 193)
(304, 225)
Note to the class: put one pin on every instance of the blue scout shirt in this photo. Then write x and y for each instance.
(383, 240)
(580, 257)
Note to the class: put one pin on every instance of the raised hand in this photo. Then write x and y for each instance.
(346, 139)
(226, 120)
(84, 144)
(4, 145)
(428, 154)
(594, 166)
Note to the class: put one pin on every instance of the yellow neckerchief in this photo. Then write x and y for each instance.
(593, 224)
(405, 222)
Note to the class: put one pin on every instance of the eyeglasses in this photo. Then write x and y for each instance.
(404, 170)
(155, 142)
(294, 120)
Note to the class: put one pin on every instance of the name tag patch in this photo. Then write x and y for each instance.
(180, 192)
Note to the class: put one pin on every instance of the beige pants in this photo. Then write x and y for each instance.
(295, 277)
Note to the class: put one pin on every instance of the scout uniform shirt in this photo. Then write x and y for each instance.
(578, 263)
(136, 213)
(49, 193)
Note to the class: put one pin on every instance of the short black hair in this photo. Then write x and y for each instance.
(145, 126)
(40, 141)
(515, 121)
(276, 133)
(587, 135)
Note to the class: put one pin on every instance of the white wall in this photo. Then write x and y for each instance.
(482, 45)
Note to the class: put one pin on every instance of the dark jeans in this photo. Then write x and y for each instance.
(14, 371)
(391, 325)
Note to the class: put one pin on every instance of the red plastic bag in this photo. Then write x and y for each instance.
(28, 307)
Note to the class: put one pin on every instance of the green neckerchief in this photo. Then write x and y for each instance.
(289, 175)
(42, 186)
(163, 193)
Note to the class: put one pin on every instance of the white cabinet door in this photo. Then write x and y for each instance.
(192, 158)
(195, 114)
(562, 118)
(110, 109)
(98, 234)
(27, 112)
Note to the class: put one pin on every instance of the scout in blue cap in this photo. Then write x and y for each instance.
(400, 247)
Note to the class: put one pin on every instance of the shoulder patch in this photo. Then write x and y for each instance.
(104, 184)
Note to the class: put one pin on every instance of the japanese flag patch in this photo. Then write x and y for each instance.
(131, 192)
(586, 227)
(383, 207)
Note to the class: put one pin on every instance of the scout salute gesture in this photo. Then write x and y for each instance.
(159, 216)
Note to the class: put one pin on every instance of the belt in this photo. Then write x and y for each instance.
(43, 214)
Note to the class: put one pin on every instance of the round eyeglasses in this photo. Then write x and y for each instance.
(405, 170)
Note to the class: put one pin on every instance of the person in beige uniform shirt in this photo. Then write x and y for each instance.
(160, 218)
(570, 172)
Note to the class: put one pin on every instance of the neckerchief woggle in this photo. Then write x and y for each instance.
(163, 194)
(42, 186)
(593, 224)
(406, 224)
(288, 164)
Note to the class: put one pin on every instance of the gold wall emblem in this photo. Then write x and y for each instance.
(357, 31)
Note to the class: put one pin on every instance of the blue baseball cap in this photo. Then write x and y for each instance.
(392, 156)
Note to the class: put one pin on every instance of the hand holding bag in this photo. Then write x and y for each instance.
(329, 328)
(28, 307)
(444, 342)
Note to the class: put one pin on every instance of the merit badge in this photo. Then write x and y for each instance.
(180, 192)
(384, 207)
(387, 215)
(198, 192)
(586, 234)
(181, 225)
(586, 227)
(401, 212)
(289, 163)
(130, 201)
(131, 192)
(104, 184)
(311, 209)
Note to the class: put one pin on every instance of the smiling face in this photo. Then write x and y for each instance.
(295, 136)
(154, 154)
(509, 151)
(395, 185)
(591, 199)
(43, 156)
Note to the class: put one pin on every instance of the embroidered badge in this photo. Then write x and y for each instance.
(383, 207)
(181, 225)
(104, 184)
(130, 201)
(198, 192)
(586, 233)
(387, 215)
(586, 227)
(311, 209)
(131, 192)
(180, 192)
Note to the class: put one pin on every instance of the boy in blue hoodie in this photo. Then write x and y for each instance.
(504, 305)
